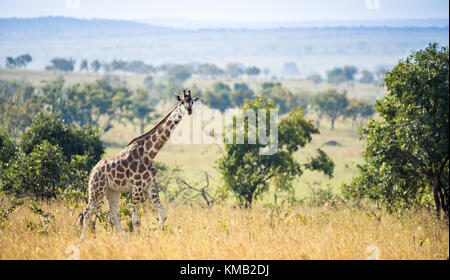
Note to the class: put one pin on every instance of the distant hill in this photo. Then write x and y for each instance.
(61, 27)
(313, 49)
(198, 24)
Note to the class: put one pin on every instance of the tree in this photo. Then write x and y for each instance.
(23, 60)
(358, 109)
(84, 66)
(208, 69)
(19, 102)
(62, 64)
(96, 65)
(234, 70)
(380, 74)
(407, 148)
(179, 73)
(339, 75)
(10, 62)
(316, 78)
(141, 108)
(331, 103)
(94, 104)
(280, 95)
(252, 71)
(218, 97)
(367, 77)
(240, 93)
(349, 72)
(290, 69)
(18, 62)
(248, 174)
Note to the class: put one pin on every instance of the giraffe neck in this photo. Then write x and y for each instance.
(158, 137)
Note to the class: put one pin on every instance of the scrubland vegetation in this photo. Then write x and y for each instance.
(375, 195)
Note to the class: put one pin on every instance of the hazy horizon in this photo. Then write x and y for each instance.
(233, 13)
(261, 33)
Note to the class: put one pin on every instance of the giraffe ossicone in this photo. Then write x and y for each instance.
(132, 170)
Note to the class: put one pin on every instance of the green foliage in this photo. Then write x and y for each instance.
(248, 174)
(87, 104)
(240, 92)
(6, 210)
(36, 174)
(281, 96)
(53, 159)
(141, 108)
(47, 222)
(331, 103)
(8, 148)
(321, 196)
(407, 148)
(18, 104)
(71, 140)
(359, 110)
(218, 97)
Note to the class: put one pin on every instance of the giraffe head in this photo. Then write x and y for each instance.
(187, 101)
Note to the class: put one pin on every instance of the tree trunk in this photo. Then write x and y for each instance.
(437, 201)
(332, 124)
(441, 198)
(248, 201)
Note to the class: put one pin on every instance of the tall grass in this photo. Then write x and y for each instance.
(227, 232)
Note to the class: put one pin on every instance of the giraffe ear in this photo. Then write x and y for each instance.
(196, 99)
(178, 98)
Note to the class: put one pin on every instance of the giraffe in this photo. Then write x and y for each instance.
(132, 170)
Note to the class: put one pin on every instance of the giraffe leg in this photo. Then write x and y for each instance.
(136, 217)
(114, 210)
(86, 216)
(95, 196)
(153, 196)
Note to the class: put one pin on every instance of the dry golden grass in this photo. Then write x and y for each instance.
(226, 232)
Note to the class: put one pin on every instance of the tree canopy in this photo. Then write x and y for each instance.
(407, 149)
(248, 174)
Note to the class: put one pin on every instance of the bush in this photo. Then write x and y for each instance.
(7, 147)
(71, 140)
(36, 174)
(53, 159)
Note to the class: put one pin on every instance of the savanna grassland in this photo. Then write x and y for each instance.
(226, 232)
(340, 230)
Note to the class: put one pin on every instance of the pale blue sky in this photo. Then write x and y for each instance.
(230, 10)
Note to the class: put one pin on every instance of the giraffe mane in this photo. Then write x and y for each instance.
(155, 127)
